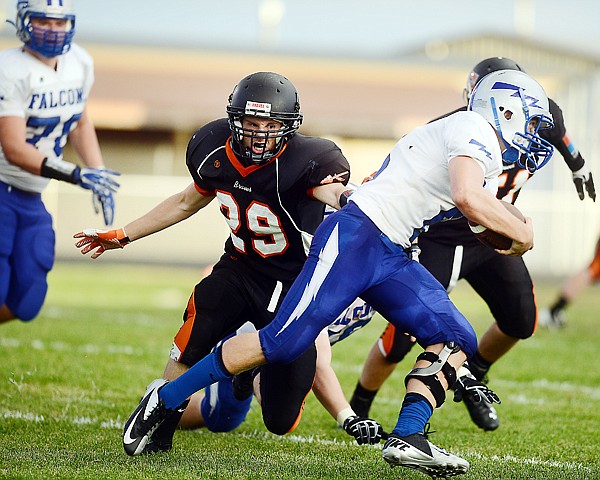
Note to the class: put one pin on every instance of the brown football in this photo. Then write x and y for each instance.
(493, 239)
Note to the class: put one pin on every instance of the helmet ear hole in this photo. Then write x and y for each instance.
(509, 100)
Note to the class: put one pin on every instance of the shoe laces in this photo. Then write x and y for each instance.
(427, 430)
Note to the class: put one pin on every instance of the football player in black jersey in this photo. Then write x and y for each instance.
(272, 185)
(554, 317)
(451, 252)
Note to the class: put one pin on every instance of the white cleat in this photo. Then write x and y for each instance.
(551, 320)
(415, 451)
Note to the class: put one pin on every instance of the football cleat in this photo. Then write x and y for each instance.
(145, 419)
(243, 384)
(481, 411)
(162, 438)
(415, 451)
(551, 319)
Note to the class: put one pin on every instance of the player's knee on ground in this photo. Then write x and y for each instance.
(283, 389)
(221, 411)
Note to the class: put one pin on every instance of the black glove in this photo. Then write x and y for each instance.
(583, 178)
(468, 384)
(364, 430)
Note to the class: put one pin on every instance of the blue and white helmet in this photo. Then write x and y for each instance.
(47, 43)
(517, 107)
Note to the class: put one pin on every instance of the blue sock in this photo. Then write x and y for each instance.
(414, 414)
(206, 372)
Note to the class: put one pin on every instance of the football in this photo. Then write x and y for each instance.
(493, 239)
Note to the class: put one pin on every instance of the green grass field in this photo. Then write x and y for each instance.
(71, 377)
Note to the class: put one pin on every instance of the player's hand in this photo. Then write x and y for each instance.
(102, 184)
(364, 430)
(97, 179)
(101, 240)
(583, 178)
(518, 249)
(106, 201)
(467, 383)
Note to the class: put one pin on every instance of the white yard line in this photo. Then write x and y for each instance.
(117, 424)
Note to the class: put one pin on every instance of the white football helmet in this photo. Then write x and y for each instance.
(517, 107)
(48, 43)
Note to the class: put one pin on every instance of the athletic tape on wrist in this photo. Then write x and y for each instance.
(344, 415)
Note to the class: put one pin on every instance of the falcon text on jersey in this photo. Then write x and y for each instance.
(53, 99)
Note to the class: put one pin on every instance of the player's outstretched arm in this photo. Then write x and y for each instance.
(173, 210)
(329, 392)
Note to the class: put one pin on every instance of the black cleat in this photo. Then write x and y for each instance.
(145, 419)
(482, 412)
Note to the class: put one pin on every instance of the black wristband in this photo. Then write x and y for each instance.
(60, 170)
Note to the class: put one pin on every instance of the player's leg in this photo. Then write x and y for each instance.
(345, 258)
(505, 285)
(216, 307)
(9, 222)
(283, 390)
(391, 348)
(26, 254)
(555, 317)
(385, 354)
(416, 303)
(224, 405)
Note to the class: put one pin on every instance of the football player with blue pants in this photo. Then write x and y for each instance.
(438, 171)
(451, 252)
(44, 86)
(223, 406)
(272, 184)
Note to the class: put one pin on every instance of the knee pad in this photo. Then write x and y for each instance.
(221, 411)
(521, 324)
(283, 390)
(30, 302)
(428, 375)
(394, 345)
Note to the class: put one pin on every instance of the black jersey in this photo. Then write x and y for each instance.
(268, 207)
(510, 181)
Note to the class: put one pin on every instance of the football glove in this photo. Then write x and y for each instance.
(106, 201)
(101, 239)
(364, 430)
(102, 184)
(583, 178)
(467, 383)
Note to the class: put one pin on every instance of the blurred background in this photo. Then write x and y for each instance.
(367, 73)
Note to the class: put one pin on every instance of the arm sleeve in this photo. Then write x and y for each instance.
(559, 138)
(330, 166)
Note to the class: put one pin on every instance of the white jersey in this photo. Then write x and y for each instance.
(412, 188)
(353, 318)
(51, 101)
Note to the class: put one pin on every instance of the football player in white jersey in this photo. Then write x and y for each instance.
(44, 86)
(436, 172)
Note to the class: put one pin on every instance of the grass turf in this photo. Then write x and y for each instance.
(71, 378)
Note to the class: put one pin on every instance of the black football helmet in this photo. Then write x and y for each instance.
(489, 65)
(263, 95)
